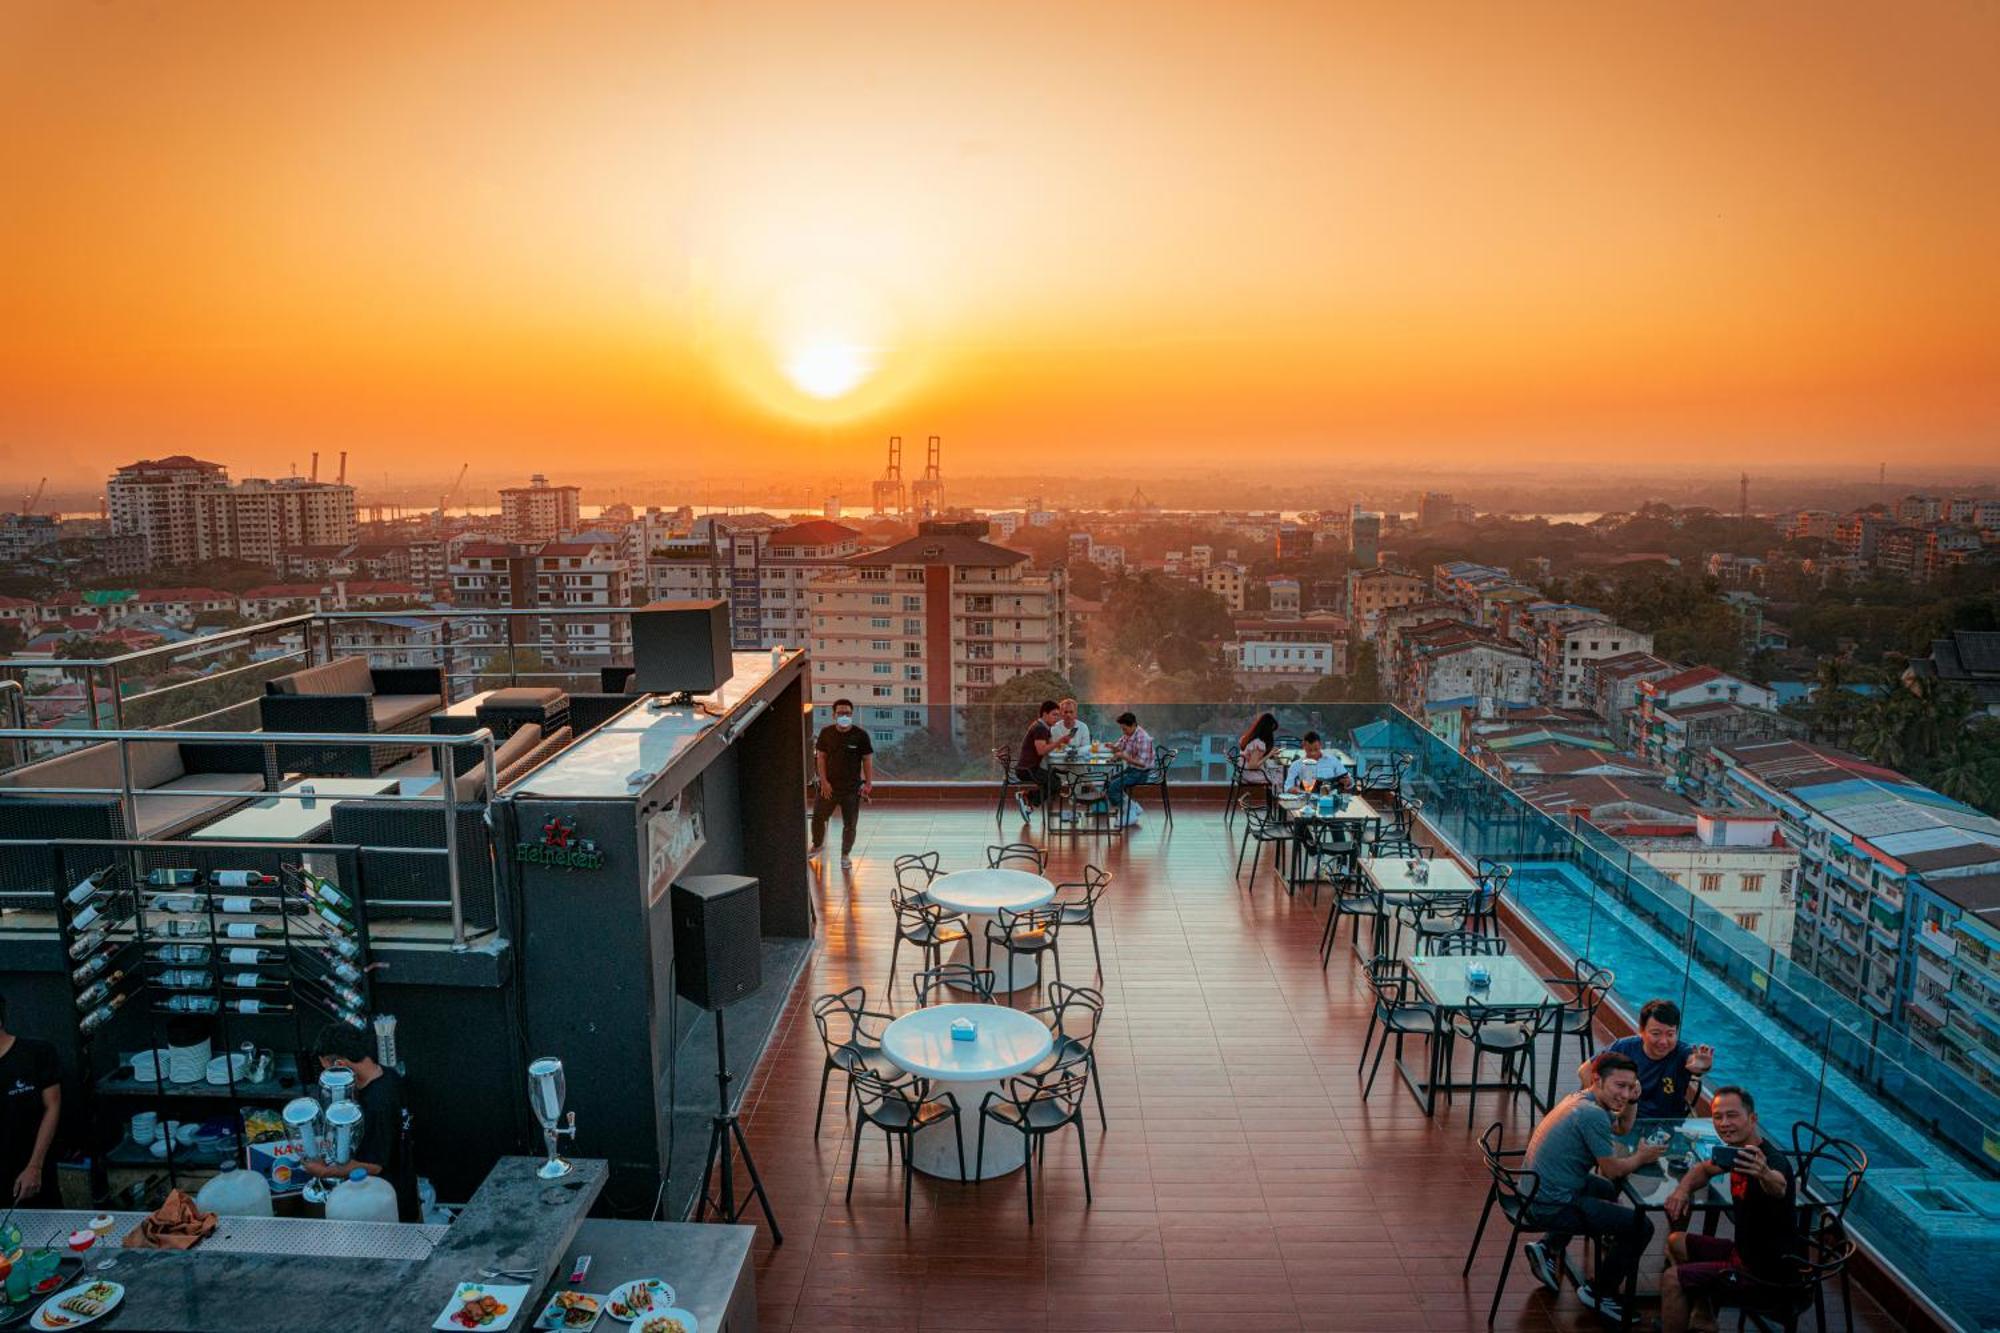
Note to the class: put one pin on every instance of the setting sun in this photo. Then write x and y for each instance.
(830, 370)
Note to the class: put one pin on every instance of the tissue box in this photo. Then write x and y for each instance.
(964, 1029)
(1478, 977)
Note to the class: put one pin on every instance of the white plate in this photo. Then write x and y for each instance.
(511, 1297)
(551, 1316)
(663, 1299)
(687, 1320)
(222, 1066)
(41, 1317)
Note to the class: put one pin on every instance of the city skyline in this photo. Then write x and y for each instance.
(649, 238)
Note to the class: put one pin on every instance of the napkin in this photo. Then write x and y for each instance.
(178, 1225)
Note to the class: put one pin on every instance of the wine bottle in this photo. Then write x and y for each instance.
(173, 879)
(178, 902)
(90, 969)
(250, 930)
(101, 1015)
(186, 978)
(88, 887)
(187, 930)
(97, 990)
(187, 1004)
(255, 1007)
(240, 905)
(238, 957)
(181, 953)
(250, 981)
(242, 879)
(84, 943)
(85, 915)
(322, 891)
(333, 918)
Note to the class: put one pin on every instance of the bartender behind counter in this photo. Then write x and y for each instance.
(30, 1106)
(382, 1150)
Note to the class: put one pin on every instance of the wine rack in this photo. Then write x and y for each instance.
(266, 958)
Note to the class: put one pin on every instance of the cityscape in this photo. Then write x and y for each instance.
(570, 580)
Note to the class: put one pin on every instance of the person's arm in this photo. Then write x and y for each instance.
(1699, 1061)
(819, 767)
(1693, 1182)
(1619, 1167)
(29, 1182)
(1044, 744)
(1751, 1162)
(867, 773)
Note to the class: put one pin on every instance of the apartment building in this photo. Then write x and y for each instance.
(1897, 891)
(1377, 589)
(1812, 523)
(1226, 580)
(154, 499)
(914, 631)
(259, 520)
(22, 535)
(764, 572)
(1286, 649)
(1861, 532)
(1613, 686)
(1564, 639)
(1452, 665)
(539, 512)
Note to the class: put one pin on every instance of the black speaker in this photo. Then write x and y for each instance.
(717, 938)
(681, 646)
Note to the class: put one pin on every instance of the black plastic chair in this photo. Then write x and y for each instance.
(1828, 1254)
(1492, 877)
(1398, 1014)
(1039, 1108)
(1017, 856)
(1582, 993)
(1359, 900)
(916, 870)
(1263, 829)
(1025, 934)
(1085, 806)
(1830, 1173)
(958, 976)
(929, 927)
(1072, 1016)
(852, 1036)
(1078, 901)
(899, 1108)
(1010, 783)
(1462, 944)
(1237, 786)
(1159, 776)
(1513, 1191)
(1506, 1030)
(1330, 852)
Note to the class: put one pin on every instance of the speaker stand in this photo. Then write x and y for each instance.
(725, 1138)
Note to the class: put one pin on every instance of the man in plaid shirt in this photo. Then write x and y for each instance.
(1135, 747)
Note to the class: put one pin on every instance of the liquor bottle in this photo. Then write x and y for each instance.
(97, 963)
(347, 949)
(251, 930)
(187, 1004)
(186, 978)
(345, 996)
(322, 891)
(97, 990)
(239, 957)
(179, 902)
(242, 879)
(101, 1015)
(338, 967)
(85, 915)
(173, 879)
(186, 930)
(181, 953)
(87, 888)
(249, 981)
(84, 943)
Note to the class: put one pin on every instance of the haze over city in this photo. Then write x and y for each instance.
(648, 238)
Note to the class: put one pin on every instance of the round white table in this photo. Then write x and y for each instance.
(981, 895)
(1009, 1043)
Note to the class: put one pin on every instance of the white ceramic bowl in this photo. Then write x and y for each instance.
(222, 1067)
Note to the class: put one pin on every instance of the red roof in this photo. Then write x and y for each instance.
(486, 551)
(815, 532)
(16, 603)
(1700, 675)
(173, 461)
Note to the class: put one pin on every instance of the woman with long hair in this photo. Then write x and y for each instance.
(1255, 746)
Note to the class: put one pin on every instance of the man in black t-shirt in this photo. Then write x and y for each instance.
(1766, 1247)
(1029, 765)
(844, 760)
(30, 1108)
(379, 1092)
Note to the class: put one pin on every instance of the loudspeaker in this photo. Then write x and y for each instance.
(681, 646)
(717, 939)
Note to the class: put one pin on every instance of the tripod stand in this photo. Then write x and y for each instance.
(723, 1132)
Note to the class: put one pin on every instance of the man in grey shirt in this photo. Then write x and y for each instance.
(1576, 1162)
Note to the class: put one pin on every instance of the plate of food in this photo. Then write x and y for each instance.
(481, 1305)
(638, 1298)
(675, 1320)
(80, 1305)
(574, 1310)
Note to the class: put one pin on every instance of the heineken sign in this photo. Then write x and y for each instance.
(561, 848)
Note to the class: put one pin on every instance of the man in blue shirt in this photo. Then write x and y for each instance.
(1670, 1070)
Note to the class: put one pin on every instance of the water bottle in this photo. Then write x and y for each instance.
(234, 1193)
(362, 1198)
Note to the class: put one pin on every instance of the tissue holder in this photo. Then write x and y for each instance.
(964, 1029)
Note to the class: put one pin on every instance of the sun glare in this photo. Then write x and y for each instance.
(829, 369)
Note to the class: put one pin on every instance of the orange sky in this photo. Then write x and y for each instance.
(612, 235)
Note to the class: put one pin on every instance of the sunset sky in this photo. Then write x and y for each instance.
(632, 235)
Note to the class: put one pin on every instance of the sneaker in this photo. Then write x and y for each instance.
(816, 851)
(1607, 1308)
(1027, 811)
(847, 863)
(1543, 1264)
(1134, 812)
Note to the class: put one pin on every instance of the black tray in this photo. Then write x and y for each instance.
(67, 1272)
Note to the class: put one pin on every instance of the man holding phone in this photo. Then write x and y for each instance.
(1670, 1070)
(1574, 1156)
(1767, 1244)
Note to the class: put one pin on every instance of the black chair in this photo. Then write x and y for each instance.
(916, 870)
(927, 926)
(1462, 944)
(1506, 1030)
(1084, 803)
(1582, 993)
(1359, 900)
(1072, 1016)
(1492, 877)
(1025, 934)
(959, 976)
(1158, 776)
(852, 1036)
(1237, 786)
(1398, 1013)
(899, 1108)
(1828, 1255)
(1830, 1173)
(1078, 901)
(1441, 914)
(1397, 844)
(1400, 907)
(1038, 1108)
(1513, 1191)
(1017, 856)
(1329, 852)
(1264, 829)
(1010, 783)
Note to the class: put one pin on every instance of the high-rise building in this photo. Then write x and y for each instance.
(1364, 537)
(155, 500)
(259, 520)
(1563, 638)
(939, 619)
(764, 572)
(539, 512)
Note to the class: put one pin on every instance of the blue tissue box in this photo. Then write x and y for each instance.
(1478, 977)
(964, 1029)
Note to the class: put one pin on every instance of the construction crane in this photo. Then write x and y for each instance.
(927, 493)
(445, 499)
(30, 502)
(889, 497)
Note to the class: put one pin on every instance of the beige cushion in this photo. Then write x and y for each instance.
(91, 766)
(388, 712)
(346, 675)
(534, 758)
(471, 786)
(522, 696)
(167, 812)
(155, 763)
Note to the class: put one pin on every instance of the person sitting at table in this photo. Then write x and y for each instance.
(1324, 769)
(1575, 1156)
(1763, 1192)
(1134, 747)
(1070, 731)
(1254, 746)
(1029, 765)
(379, 1092)
(1670, 1070)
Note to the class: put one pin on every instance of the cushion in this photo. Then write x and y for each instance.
(164, 813)
(155, 763)
(550, 745)
(392, 712)
(510, 753)
(90, 766)
(213, 782)
(346, 675)
(523, 697)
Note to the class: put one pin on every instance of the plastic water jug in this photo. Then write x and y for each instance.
(236, 1193)
(362, 1198)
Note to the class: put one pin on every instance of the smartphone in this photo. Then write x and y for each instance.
(1723, 1156)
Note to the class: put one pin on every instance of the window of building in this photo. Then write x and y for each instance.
(878, 599)
(912, 718)
(882, 668)
(913, 694)
(1748, 920)
(913, 603)
(913, 671)
(882, 692)
(913, 627)
(911, 648)
(1751, 883)
(878, 645)
(1711, 883)
(879, 622)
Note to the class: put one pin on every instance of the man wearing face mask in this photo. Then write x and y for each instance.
(844, 758)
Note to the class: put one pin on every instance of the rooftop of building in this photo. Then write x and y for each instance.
(1603, 795)
(941, 548)
(1893, 814)
(171, 463)
(815, 532)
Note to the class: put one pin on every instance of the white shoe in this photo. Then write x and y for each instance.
(1021, 804)
(1134, 813)
(816, 851)
(847, 863)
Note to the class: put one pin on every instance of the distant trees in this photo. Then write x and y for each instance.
(1004, 715)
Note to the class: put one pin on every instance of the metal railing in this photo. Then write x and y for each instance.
(444, 773)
